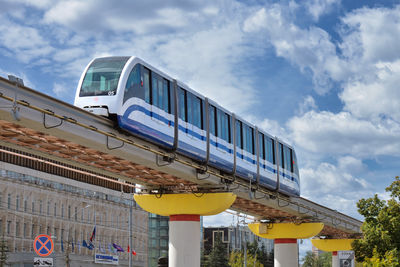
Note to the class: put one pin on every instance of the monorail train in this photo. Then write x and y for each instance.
(151, 105)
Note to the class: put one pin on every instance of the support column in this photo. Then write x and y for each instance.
(333, 245)
(286, 253)
(184, 225)
(335, 259)
(184, 240)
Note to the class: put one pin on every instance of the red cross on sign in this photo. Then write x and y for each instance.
(43, 245)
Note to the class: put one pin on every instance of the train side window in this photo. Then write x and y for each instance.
(223, 126)
(212, 120)
(160, 92)
(154, 89)
(261, 146)
(281, 157)
(182, 103)
(166, 94)
(133, 86)
(269, 149)
(288, 158)
(248, 138)
(189, 108)
(194, 110)
(146, 85)
(239, 140)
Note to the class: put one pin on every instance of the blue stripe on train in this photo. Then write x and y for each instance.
(165, 140)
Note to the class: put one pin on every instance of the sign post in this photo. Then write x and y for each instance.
(44, 246)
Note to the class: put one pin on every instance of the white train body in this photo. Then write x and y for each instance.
(146, 102)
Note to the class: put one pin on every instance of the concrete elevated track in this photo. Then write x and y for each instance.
(42, 129)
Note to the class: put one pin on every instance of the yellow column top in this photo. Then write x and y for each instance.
(286, 230)
(173, 204)
(332, 244)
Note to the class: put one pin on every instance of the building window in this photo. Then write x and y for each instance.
(40, 206)
(25, 205)
(17, 202)
(9, 201)
(69, 212)
(1, 227)
(1, 199)
(62, 210)
(33, 206)
(48, 207)
(25, 229)
(76, 213)
(17, 230)
(33, 231)
(8, 227)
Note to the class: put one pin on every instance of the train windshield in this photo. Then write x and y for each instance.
(102, 76)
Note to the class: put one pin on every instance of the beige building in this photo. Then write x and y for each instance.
(34, 202)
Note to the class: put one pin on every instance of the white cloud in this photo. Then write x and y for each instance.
(205, 61)
(68, 54)
(334, 186)
(376, 30)
(351, 164)
(25, 42)
(310, 49)
(59, 89)
(320, 7)
(342, 134)
(129, 16)
(256, 22)
(307, 105)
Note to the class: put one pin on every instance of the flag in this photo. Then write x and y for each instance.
(62, 245)
(93, 236)
(119, 249)
(110, 248)
(86, 245)
(79, 247)
(129, 249)
(72, 245)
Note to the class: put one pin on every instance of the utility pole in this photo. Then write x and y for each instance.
(245, 249)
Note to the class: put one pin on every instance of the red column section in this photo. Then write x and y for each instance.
(185, 217)
(285, 241)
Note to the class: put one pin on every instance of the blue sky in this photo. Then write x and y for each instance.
(321, 74)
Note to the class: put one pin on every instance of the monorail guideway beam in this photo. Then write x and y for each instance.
(88, 141)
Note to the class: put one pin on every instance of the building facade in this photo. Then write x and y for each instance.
(158, 238)
(234, 238)
(33, 202)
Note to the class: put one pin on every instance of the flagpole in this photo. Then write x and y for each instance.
(130, 229)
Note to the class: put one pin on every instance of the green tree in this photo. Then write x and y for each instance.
(3, 252)
(218, 256)
(380, 245)
(236, 259)
(321, 260)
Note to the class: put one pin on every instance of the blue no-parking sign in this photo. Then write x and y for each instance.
(43, 245)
